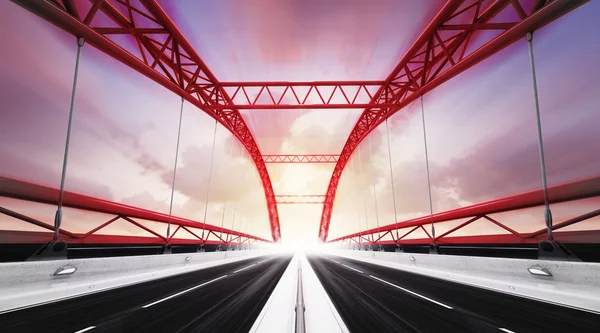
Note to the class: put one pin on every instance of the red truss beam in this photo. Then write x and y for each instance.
(300, 95)
(440, 53)
(578, 190)
(144, 38)
(21, 190)
(299, 199)
(315, 158)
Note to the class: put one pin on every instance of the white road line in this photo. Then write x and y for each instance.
(506, 330)
(182, 292)
(337, 262)
(86, 329)
(352, 268)
(241, 269)
(412, 293)
(260, 262)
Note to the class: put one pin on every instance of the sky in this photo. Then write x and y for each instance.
(480, 126)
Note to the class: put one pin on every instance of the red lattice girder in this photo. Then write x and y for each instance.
(324, 158)
(300, 199)
(17, 189)
(300, 95)
(440, 53)
(577, 190)
(139, 34)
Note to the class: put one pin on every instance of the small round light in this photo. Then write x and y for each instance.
(188, 258)
(67, 270)
(540, 271)
(411, 258)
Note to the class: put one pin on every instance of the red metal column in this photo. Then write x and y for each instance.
(171, 62)
(439, 54)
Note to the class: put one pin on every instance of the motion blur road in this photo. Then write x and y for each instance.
(373, 298)
(226, 298)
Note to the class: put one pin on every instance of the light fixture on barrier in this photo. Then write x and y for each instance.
(67, 270)
(188, 258)
(540, 271)
(411, 258)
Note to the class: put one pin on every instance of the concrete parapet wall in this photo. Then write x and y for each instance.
(25, 284)
(573, 284)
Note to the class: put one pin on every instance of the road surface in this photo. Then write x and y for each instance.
(373, 298)
(225, 298)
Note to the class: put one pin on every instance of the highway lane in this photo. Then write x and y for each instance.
(225, 298)
(372, 298)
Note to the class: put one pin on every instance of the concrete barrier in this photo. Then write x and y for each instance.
(25, 284)
(572, 284)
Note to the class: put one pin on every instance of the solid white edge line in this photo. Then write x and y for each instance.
(413, 293)
(352, 268)
(241, 269)
(86, 329)
(182, 292)
(506, 330)
(335, 261)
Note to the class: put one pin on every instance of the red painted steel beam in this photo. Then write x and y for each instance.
(565, 237)
(299, 199)
(314, 158)
(36, 237)
(169, 60)
(577, 190)
(22, 190)
(300, 95)
(433, 60)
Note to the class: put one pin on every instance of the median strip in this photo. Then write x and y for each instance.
(181, 293)
(412, 292)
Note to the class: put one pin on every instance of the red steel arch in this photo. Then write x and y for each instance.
(164, 56)
(439, 54)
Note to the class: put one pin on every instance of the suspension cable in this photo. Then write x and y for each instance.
(387, 132)
(174, 172)
(226, 192)
(63, 175)
(373, 184)
(427, 167)
(547, 212)
(212, 157)
(362, 197)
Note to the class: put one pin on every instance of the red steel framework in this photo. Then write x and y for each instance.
(578, 190)
(300, 199)
(301, 95)
(163, 54)
(315, 158)
(17, 189)
(440, 53)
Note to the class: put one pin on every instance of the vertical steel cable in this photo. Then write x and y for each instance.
(212, 157)
(354, 189)
(547, 212)
(58, 215)
(387, 132)
(373, 183)
(174, 172)
(427, 166)
(225, 203)
(362, 197)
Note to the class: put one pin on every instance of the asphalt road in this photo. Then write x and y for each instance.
(225, 298)
(372, 298)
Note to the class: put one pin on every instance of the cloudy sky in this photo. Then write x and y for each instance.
(480, 125)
